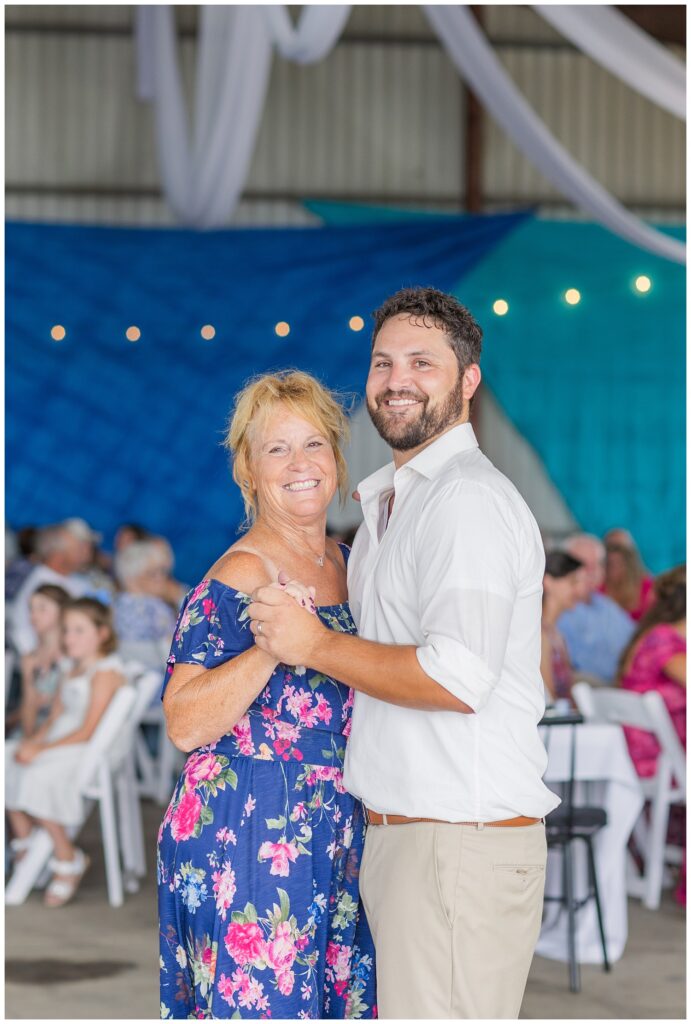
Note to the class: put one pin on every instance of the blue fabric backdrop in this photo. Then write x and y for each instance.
(113, 431)
(596, 388)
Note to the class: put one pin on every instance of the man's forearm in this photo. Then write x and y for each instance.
(389, 672)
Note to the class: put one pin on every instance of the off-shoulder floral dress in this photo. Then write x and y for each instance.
(259, 850)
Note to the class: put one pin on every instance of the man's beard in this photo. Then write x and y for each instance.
(428, 424)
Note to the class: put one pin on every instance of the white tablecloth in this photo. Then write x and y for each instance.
(602, 761)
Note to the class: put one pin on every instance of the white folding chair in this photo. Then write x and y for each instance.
(158, 773)
(95, 781)
(122, 766)
(645, 711)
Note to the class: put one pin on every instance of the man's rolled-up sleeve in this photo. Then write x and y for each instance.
(467, 570)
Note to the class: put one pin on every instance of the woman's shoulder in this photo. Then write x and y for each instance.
(240, 570)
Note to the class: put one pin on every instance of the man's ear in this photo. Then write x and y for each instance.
(471, 381)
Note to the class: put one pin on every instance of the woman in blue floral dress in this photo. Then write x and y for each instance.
(260, 847)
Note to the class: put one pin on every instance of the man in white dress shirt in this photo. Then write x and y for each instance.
(445, 584)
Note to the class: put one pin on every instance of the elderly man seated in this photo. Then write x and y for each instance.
(60, 558)
(144, 622)
(596, 630)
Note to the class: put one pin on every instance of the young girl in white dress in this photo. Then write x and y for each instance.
(40, 770)
(42, 668)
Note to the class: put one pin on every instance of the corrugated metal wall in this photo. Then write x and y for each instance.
(381, 120)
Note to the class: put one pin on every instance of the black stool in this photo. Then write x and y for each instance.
(564, 826)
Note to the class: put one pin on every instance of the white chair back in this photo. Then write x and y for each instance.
(645, 711)
(113, 723)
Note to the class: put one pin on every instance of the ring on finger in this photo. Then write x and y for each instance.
(259, 627)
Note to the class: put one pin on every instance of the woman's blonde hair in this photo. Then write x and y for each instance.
(304, 396)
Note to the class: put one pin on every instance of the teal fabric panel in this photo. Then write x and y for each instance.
(598, 389)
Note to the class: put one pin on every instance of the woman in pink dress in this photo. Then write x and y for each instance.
(626, 579)
(655, 659)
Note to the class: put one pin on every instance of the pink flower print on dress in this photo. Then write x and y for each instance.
(326, 773)
(208, 605)
(245, 943)
(287, 731)
(226, 989)
(299, 704)
(186, 816)
(202, 767)
(242, 731)
(198, 591)
(281, 951)
(281, 856)
(224, 888)
(250, 804)
(323, 709)
(285, 981)
(338, 957)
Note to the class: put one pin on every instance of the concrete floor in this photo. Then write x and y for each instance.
(89, 961)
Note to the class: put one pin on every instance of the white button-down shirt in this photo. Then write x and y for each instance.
(458, 574)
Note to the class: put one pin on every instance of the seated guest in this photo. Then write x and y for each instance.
(94, 572)
(41, 770)
(20, 559)
(173, 592)
(655, 659)
(144, 622)
(41, 668)
(561, 587)
(596, 629)
(128, 533)
(626, 580)
(60, 557)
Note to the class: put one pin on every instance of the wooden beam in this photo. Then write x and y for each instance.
(665, 22)
(473, 141)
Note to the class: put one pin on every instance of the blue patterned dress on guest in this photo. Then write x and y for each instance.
(260, 848)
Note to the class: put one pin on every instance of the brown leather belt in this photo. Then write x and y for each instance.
(373, 818)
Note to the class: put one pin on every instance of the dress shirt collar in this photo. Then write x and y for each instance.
(429, 462)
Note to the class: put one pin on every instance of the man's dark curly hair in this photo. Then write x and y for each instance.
(438, 310)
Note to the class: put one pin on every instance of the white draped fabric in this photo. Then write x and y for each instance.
(616, 43)
(203, 175)
(313, 37)
(204, 172)
(478, 65)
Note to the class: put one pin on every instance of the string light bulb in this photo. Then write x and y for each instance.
(282, 329)
(643, 284)
(500, 307)
(133, 333)
(572, 296)
(356, 323)
(58, 332)
(208, 332)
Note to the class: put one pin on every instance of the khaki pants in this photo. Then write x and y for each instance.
(455, 914)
